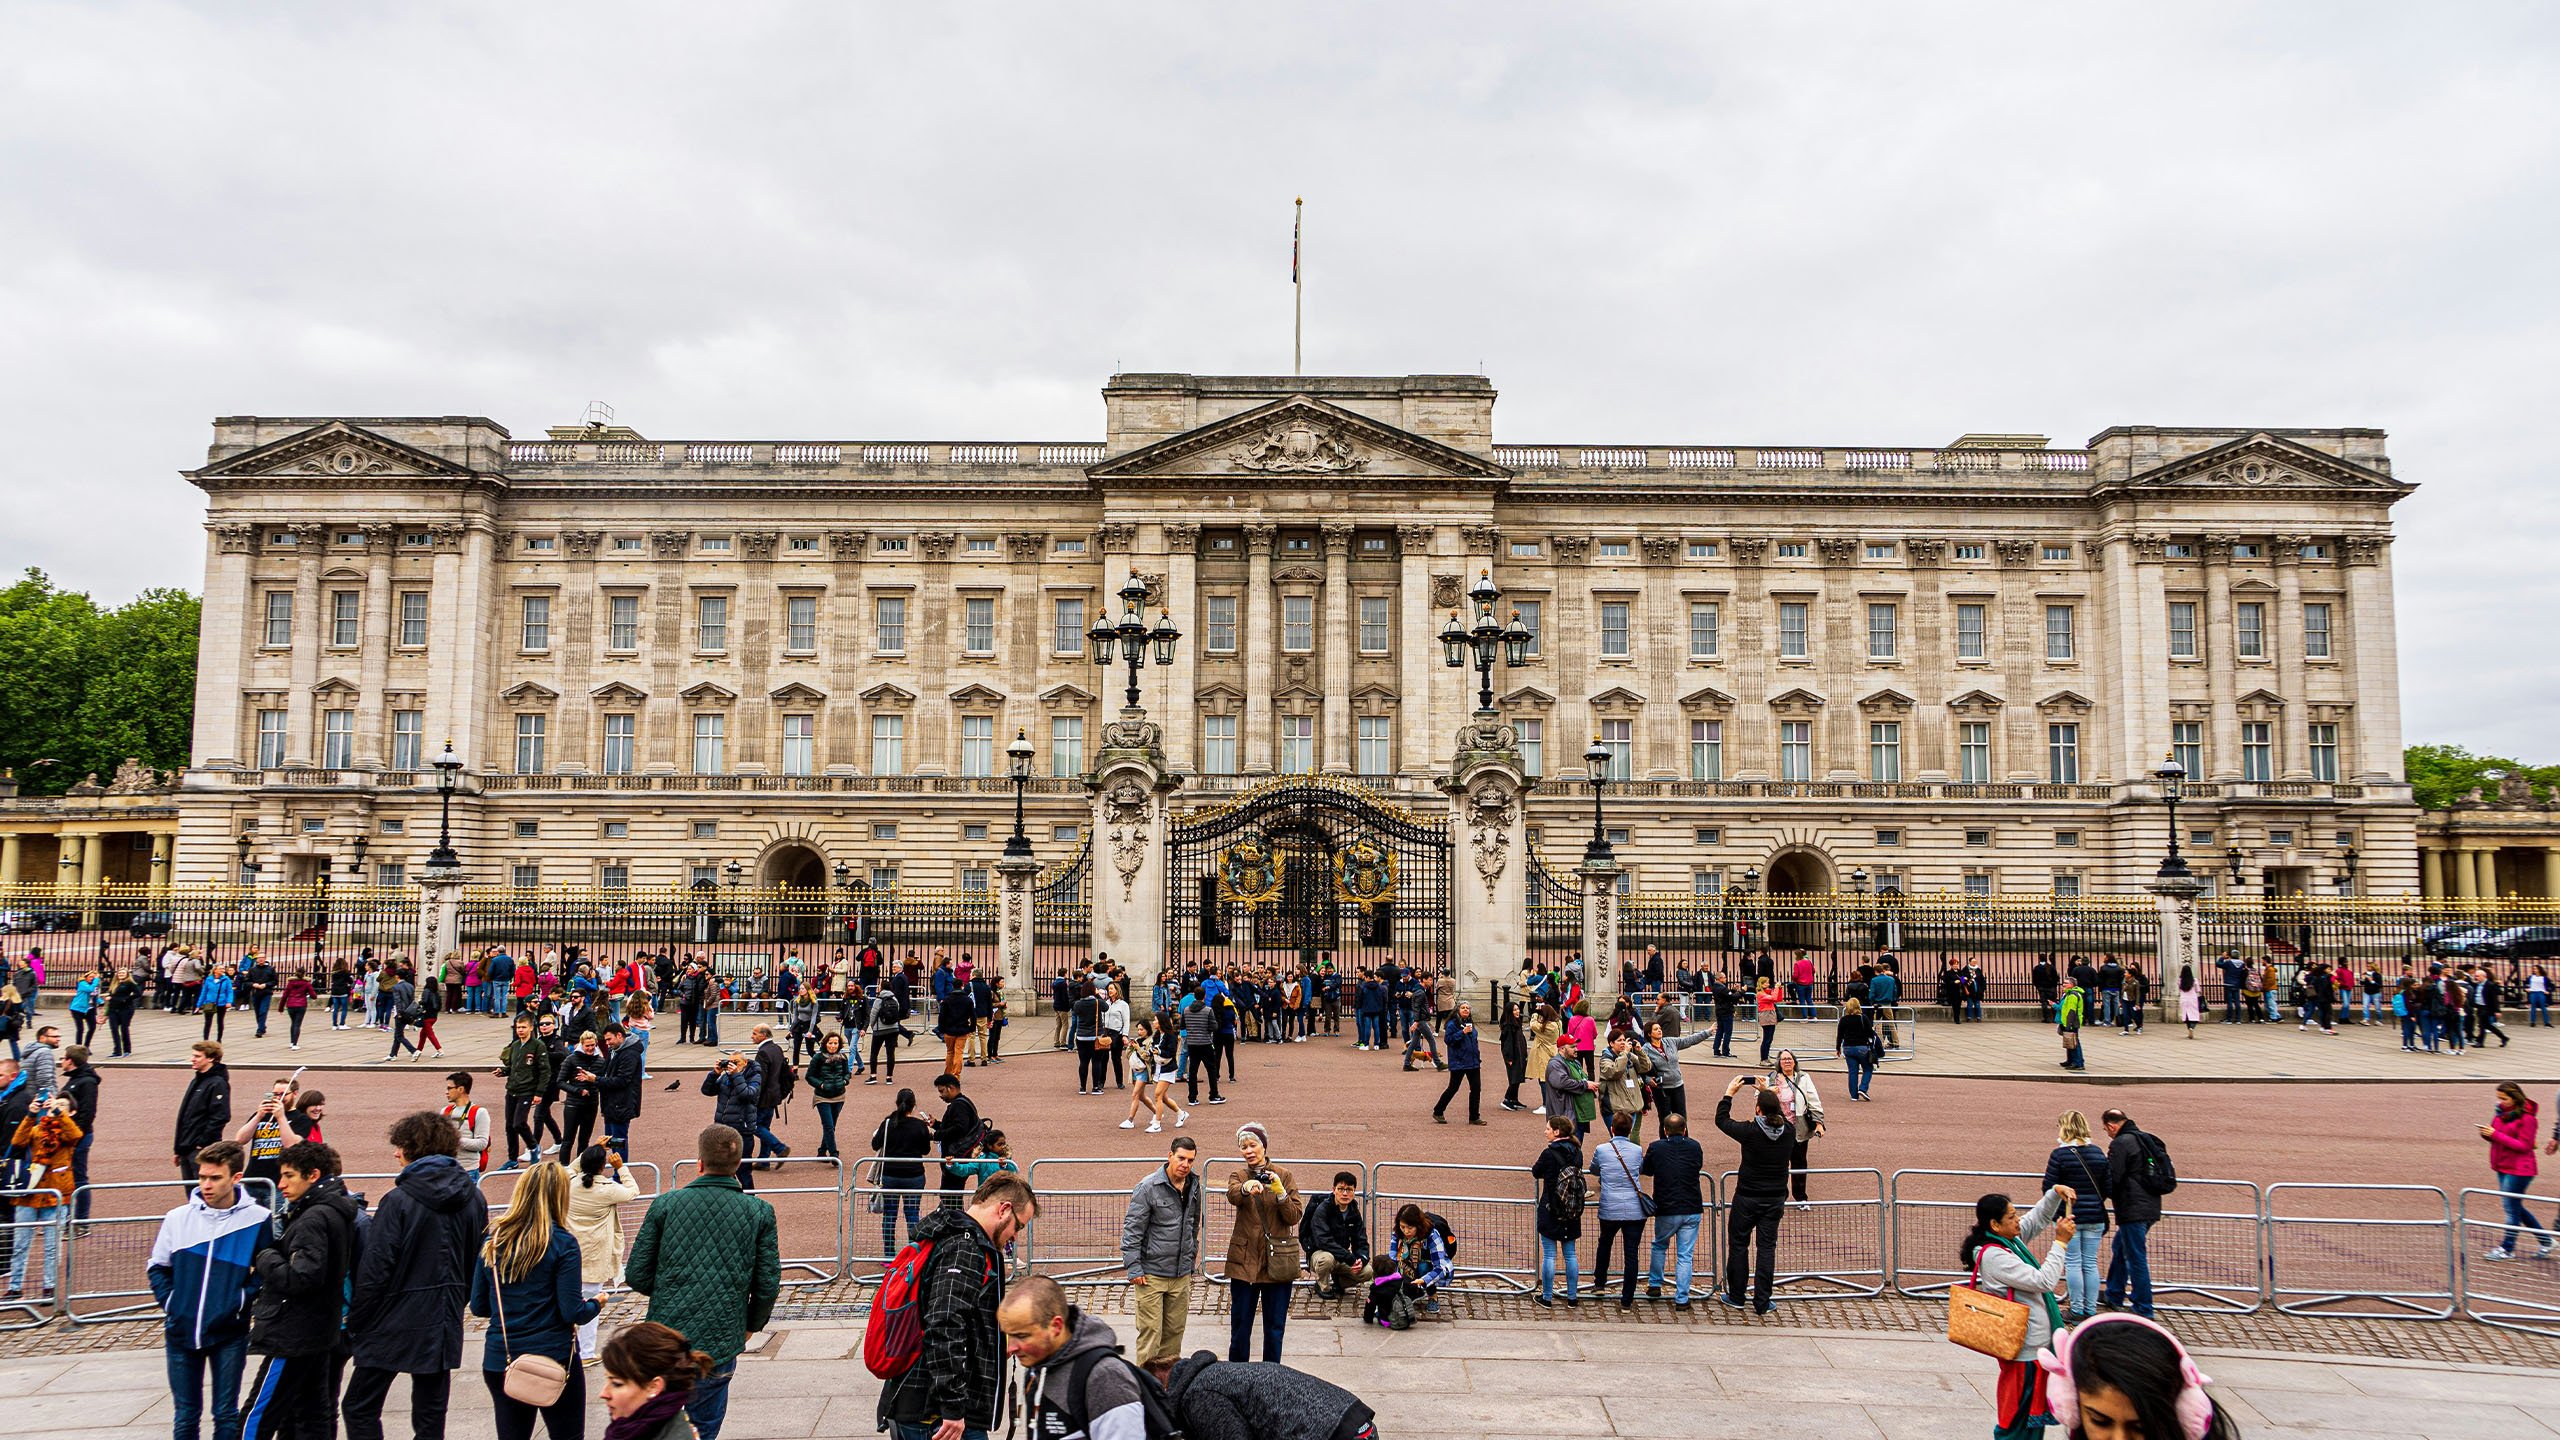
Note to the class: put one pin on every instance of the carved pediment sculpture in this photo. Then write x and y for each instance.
(1299, 445)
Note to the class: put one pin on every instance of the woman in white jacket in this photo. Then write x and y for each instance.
(596, 1199)
(1995, 1254)
(1802, 1105)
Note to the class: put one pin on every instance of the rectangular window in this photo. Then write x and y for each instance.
(1611, 549)
(622, 622)
(884, 830)
(345, 606)
(978, 614)
(2179, 550)
(529, 738)
(885, 877)
(391, 877)
(715, 542)
(1970, 632)
(1706, 749)
(2324, 752)
(627, 542)
(799, 744)
(2315, 632)
(1374, 624)
(977, 745)
(1702, 550)
(711, 622)
(1222, 624)
(413, 617)
(270, 739)
(2244, 551)
(279, 618)
(1791, 635)
(1880, 625)
(1704, 629)
(1217, 745)
(1968, 552)
(528, 829)
(982, 545)
(800, 621)
(1973, 752)
(889, 744)
(2280, 839)
(613, 877)
(893, 545)
(1528, 612)
(1884, 749)
(408, 739)
(537, 622)
(1790, 549)
(710, 744)
(706, 830)
(337, 739)
(2062, 751)
(1977, 837)
(1888, 839)
(2066, 887)
(973, 832)
(1613, 630)
(1710, 835)
(1070, 629)
(889, 624)
(1977, 886)
(1076, 547)
(2057, 632)
(2315, 552)
(1066, 745)
(526, 877)
(1297, 622)
(2186, 743)
(2057, 552)
(2249, 626)
(1376, 748)
(973, 881)
(1618, 738)
(2067, 839)
(1880, 552)
(1709, 883)
(1795, 750)
(1533, 747)
(1297, 744)
(541, 542)
(2257, 751)
(804, 542)
(2182, 629)
(618, 733)
(1524, 549)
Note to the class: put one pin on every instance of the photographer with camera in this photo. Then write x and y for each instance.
(1768, 1142)
(736, 1084)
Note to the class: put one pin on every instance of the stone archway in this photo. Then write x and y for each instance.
(794, 877)
(1797, 876)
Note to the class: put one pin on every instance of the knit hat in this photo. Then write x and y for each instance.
(1254, 1129)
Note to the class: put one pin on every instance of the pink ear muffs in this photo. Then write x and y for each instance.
(2062, 1392)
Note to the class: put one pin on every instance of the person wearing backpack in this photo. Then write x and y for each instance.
(2068, 1015)
(2138, 1174)
(932, 1335)
(1080, 1385)
(305, 1259)
(1219, 1400)
(1561, 1196)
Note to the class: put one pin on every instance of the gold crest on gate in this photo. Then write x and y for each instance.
(1249, 871)
(1364, 873)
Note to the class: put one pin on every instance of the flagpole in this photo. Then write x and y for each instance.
(1298, 284)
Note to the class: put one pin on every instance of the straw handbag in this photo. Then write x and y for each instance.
(1976, 1319)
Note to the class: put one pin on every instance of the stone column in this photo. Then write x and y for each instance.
(846, 645)
(2466, 875)
(1339, 645)
(9, 857)
(1599, 933)
(2373, 651)
(1662, 751)
(310, 634)
(439, 913)
(2178, 941)
(1259, 633)
(1417, 648)
(93, 874)
(1488, 834)
(1130, 780)
(2550, 873)
(1013, 977)
(2222, 662)
(932, 748)
(2285, 634)
(1752, 634)
(2489, 872)
(164, 845)
(1572, 630)
(231, 612)
(2431, 874)
(1182, 597)
(375, 633)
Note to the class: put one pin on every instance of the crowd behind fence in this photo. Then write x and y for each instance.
(2223, 1247)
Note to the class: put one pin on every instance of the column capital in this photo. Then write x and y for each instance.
(1258, 539)
(1337, 539)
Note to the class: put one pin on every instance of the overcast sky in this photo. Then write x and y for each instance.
(1801, 224)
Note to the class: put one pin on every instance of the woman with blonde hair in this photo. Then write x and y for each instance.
(1543, 1033)
(528, 1284)
(2079, 1164)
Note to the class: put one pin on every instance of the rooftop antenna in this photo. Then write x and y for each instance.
(599, 415)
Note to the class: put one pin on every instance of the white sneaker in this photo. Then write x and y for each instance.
(2497, 1253)
(1541, 1110)
(2549, 1249)
(1154, 1125)
(1128, 1124)
(1181, 1118)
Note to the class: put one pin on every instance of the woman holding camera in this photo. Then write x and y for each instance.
(1268, 1208)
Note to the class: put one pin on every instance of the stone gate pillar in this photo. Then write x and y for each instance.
(1488, 841)
(1013, 944)
(1130, 781)
(439, 915)
(1599, 934)
(2178, 943)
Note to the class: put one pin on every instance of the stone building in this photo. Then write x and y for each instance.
(1949, 668)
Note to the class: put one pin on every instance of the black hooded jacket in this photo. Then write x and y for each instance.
(1215, 1400)
(415, 1274)
(302, 1261)
(1766, 1148)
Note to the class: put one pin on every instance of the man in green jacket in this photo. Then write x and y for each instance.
(692, 1249)
(526, 1067)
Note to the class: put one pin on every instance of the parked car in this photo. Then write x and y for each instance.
(2518, 942)
(38, 922)
(152, 924)
(2447, 939)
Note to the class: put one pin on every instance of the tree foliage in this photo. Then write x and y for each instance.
(81, 688)
(2439, 775)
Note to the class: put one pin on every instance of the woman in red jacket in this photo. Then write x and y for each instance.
(2510, 1133)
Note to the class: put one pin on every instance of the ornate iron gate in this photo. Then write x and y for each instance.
(1307, 865)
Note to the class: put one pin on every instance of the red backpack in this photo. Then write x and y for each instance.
(893, 1333)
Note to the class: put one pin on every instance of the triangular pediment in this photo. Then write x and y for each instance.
(1616, 700)
(1299, 440)
(796, 693)
(1300, 691)
(885, 695)
(1706, 697)
(528, 693)
(1798, 699)
(1068, 695)
(340, 685)
(617, 693)
(2261, 697)
(976, 695)
(2065, 702)
(2262, 462)
(707, 693)
(1886, 700)
(1976, 702)
(335, 453)
(1528, 697)
(1374, 690)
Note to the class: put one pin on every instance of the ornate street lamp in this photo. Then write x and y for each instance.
(2347, 880)
(2239, 882)
(1596, 760)
(1488, 639)
(1130, 636)
(2173, 779)
(448, 774)
(243, 844)
(1858, 881)
(1018, 758)
(355, 866)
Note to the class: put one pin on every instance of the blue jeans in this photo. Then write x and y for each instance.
(1547, 1267)
(1242, 1301)
(763, 1131)
(1667, 1229)
(2511, 1190)
(2131, 1266)
(889, 1203)
(2538, 1010)
(34, 1220)
(186, 1388)
(1862, 1067)
(259, 1006)
(338, 1010)
(2080, 1268)
(709, 1406)
(641, 1039)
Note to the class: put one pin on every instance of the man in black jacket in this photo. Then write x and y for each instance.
(772, 1066)
(2137, 1210)
(1767, 1139)
(954, 1387)
(302, 1260)
(405, 1317)
(618, 1089)
(205, 1111)
(80, 1086)
(1335, 1238)
(1219, 1400)
(956, 1131)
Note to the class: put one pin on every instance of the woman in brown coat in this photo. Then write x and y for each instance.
(1268, 1208)
(48, 1136)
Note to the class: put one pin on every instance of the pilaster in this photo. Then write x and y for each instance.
(1014, 977)
(1129, 782)
(1260, 626)
(2178, 942)
(1338, 648)
(439, 914)
(1488, 817)
(1599, 933)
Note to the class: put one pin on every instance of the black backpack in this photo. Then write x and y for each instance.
(1448, 1237)
(1158, 1406)
(2152, 1165)
(1572, 1192)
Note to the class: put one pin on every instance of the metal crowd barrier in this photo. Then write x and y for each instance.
(866, 1196)
(1931, 1216)
(1495, 1220)
(107, 1257)
(29, 1312)
(814, 1269)
(2315, 1265)
(1076, 1234)
(1834, 1243)
(498, 1187)
(2210, 1245)
(2521, 1293)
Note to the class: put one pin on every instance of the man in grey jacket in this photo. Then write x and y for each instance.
(1160, 1247)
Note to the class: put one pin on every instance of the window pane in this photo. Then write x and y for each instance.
(2182, 629)
(1703, 635)
(2315, 631)
(1529, 611)
(1706, 749)
(270, 739)
(1376, 748)
(529, 737)
(1880, 636)
(2062, 742)
(537, 622)
(2250, 620)
(279, 617)
(888, 744)
(337, 739)
(624, 617)
(1884, 750)
(1218, 745)
(980, 616)
(2186, 742)
(977, 744)
(1613, 629)
(1969, 629)
(800, 613)
(799, 744)
(343, 610)
(711, 624)
(1795, 750)
(1297, 744)
(1066, 745)
(1791, 640)
(1974, 752)
(1297, 622)
(710, 744)
(618, 731)
(413, 617)
(1374, 623)
(408, 731)
(2324, 752)
(2057, 632)
(1533, 746)
(1618, 738)
(1222, 624)
(2257, 752)
(890, 630)
(1070, 639)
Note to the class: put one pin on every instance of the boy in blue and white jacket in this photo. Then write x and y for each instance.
(200, 1274)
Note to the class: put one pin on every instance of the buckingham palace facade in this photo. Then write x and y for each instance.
(1944, 668)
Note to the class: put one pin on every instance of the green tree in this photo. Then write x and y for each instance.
(82, 688)
(2440, 775)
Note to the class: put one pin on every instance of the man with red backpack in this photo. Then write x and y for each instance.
(932, 1335)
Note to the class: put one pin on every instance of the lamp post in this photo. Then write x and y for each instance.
(1488, 639)
(2239, 881)
(2173, 779)
(243, 866)
(1596, 760)
(1751, 886)
(2347, 879)
(1018, 758)
(734, 873)
(448, 774)
(1130, 637)
(842, 874)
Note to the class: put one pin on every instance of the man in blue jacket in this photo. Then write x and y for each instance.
(1466, 1064)
(200, 1274)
